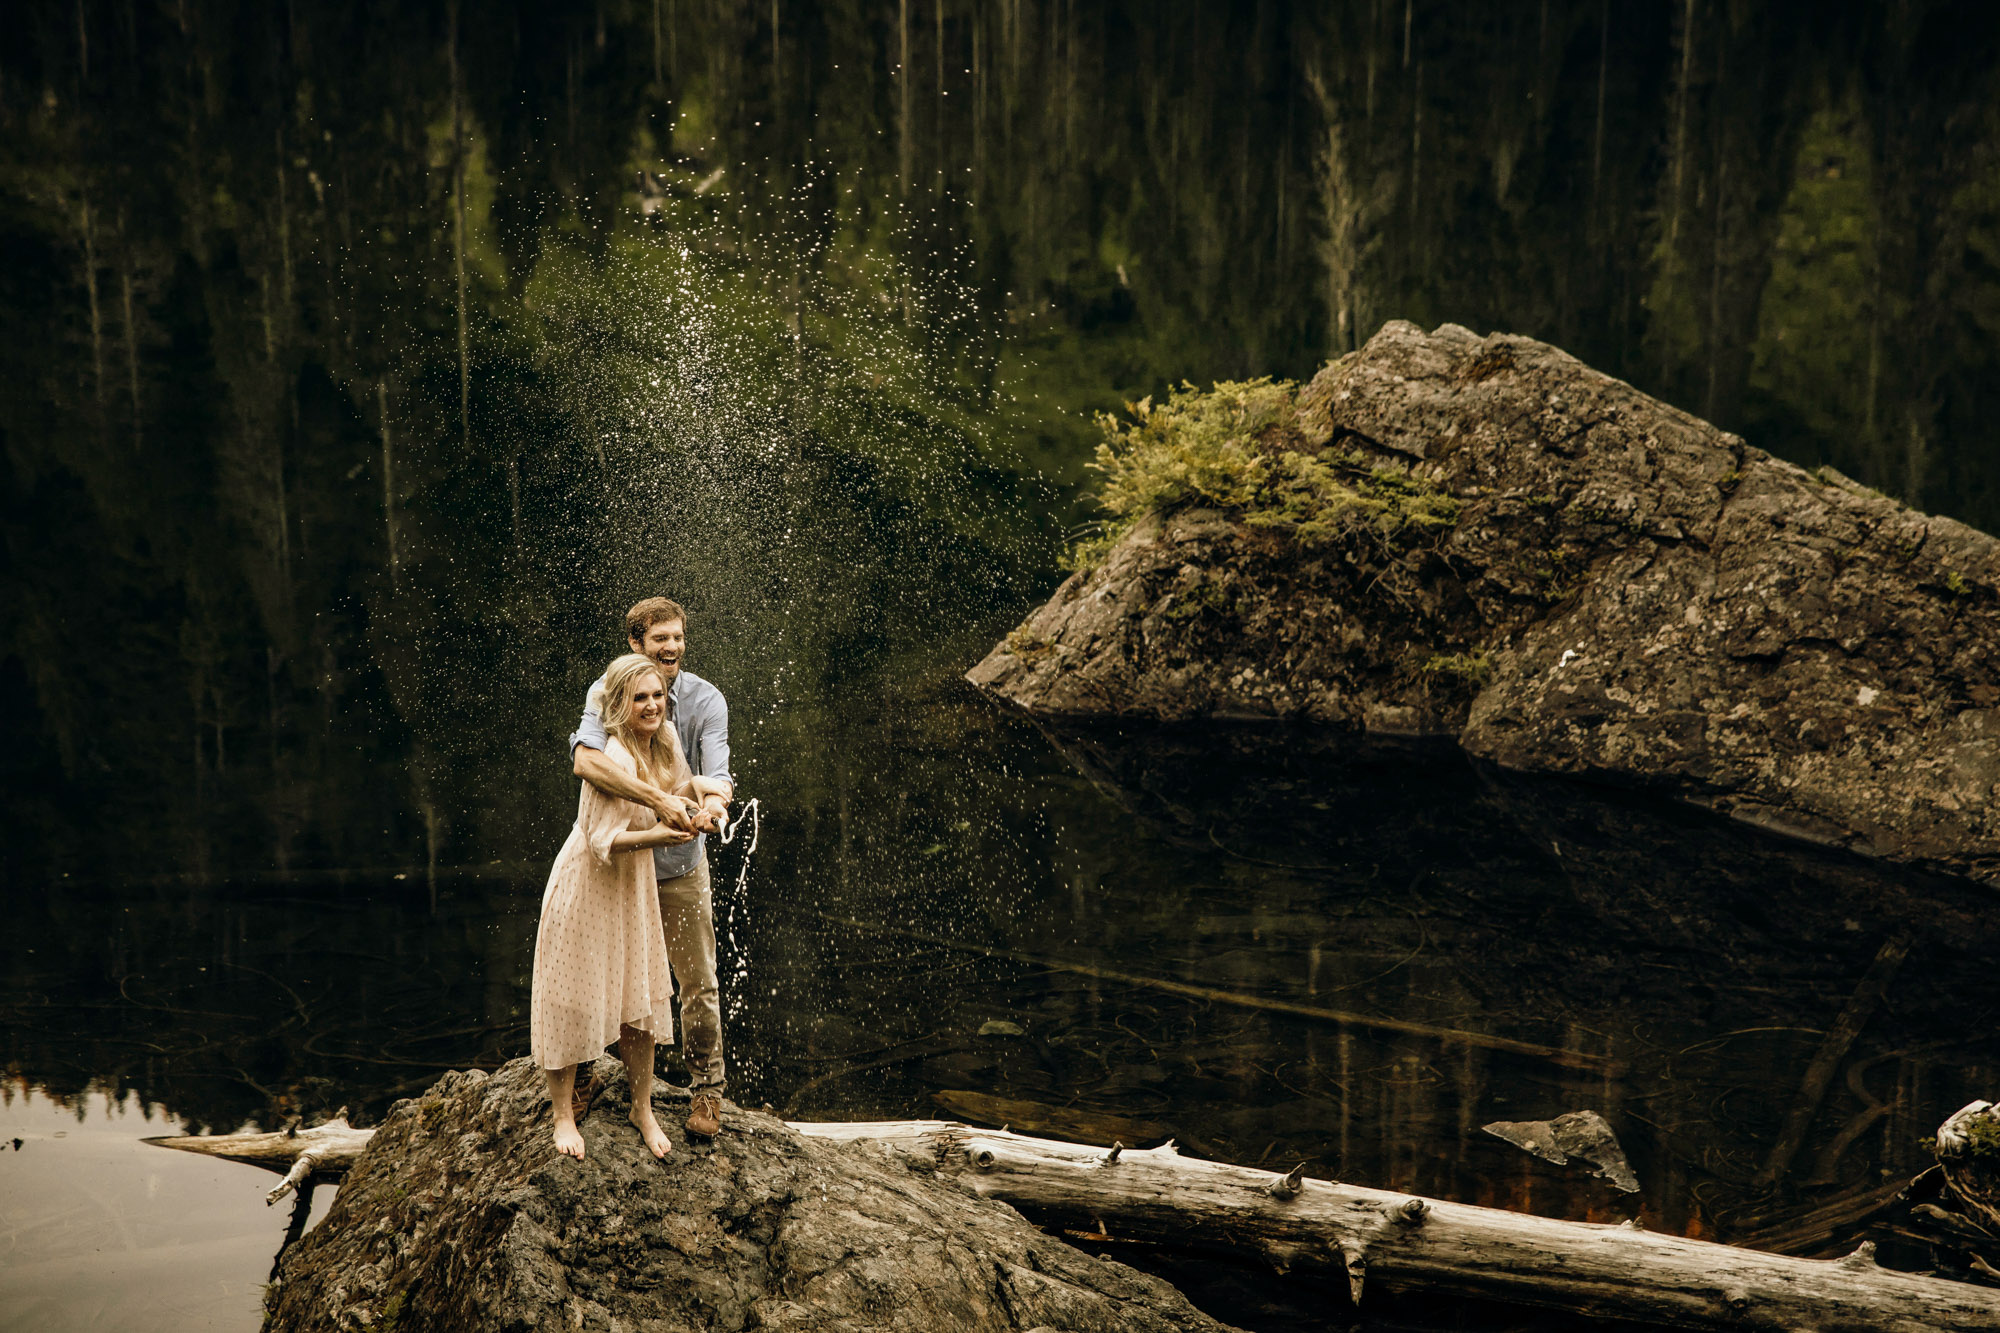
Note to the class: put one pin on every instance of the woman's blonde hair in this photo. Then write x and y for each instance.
(660, 761)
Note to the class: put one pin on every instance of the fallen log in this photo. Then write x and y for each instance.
(1409, 1243)
(324, 1152)
(1398, 1241)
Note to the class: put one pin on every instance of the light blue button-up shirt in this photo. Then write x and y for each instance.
(700, 717)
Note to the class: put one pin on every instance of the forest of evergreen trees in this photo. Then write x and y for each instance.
(354, 377)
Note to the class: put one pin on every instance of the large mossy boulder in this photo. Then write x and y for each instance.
(1485, 539)
(461, 1218)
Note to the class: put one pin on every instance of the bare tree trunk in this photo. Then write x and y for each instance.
(264, 308)
(458, 238)
(282, 846)
(284, 234)
(90, 289)
(131, 344)
(1412, 1244)
(324, 1152)
(937, 177)
(1682, 91)
(1597, 142)
(903, 94)
(1831, 1054)
(1721, 217)
(433, 825)
(388, 484)
(1416, 163)
(1373, 47)
(978, 106)
(1714, 389)
(1916, 460)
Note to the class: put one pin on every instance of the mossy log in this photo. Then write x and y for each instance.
(1398, 1241)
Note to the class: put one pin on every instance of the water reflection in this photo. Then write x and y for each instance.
(100, 1231)
(1274, 948)
(1676, 973)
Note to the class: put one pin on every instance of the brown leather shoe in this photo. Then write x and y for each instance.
(705, 1114)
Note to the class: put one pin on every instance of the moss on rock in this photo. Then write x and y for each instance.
(1243, 447)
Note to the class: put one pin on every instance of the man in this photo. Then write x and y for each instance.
(657, 627)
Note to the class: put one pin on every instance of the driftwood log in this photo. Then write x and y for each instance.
(1399, 1241)
(303, 1156)
(1410, 1243)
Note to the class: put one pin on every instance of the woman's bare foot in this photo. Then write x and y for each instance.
(649, 1130)
(562, 1110)
(569, 1140)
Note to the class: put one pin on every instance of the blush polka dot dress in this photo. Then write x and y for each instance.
(600, 952)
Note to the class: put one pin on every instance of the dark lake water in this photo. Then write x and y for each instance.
(357, 368)
(1086, 935)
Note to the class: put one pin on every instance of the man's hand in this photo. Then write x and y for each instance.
(714, 810)
(676, 812)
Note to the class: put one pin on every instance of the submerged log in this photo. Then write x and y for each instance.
(1377, 1237)
(1584, 1060)
(1408, 1243)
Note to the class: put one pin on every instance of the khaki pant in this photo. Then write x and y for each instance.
(687, 910)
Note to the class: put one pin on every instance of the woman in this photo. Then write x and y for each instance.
(600, 953)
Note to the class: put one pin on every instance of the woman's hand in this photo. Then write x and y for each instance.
(660, 835)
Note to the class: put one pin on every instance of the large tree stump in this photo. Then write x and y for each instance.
(459, 1217)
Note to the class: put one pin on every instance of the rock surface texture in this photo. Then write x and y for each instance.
(461, 1217)
(1627, 593)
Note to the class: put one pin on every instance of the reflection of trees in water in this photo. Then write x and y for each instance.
(227, 1007)
(946, 870)
(1704, 961)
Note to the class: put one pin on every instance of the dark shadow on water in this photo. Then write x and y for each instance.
(1273, 947)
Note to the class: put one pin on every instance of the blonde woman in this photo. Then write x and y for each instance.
(600, 953)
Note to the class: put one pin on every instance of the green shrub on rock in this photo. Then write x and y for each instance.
(1238, 446)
